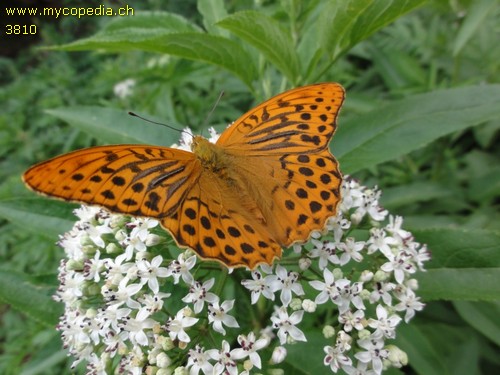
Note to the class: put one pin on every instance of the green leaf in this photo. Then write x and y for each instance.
(461, 248)
(345, 23)
(212, 11)
(196, 46)
(405, 195)
(483, 316)
(307, 358)
(34, 301)
(486, 186)
(475, 16)
(397, 68)
(265, 34)
(41, 215)
(114, 126)
(411, 123)
(143, 26)
(419, 349)
(465, 264)
(146, 21)
(472, 284)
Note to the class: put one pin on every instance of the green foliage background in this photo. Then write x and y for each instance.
(421, 121)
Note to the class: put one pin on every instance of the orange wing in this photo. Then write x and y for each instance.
(216, 221)
(301, 120)
(281, 150)
(130, 179)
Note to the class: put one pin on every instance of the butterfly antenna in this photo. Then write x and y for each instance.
(207, 117)
(159, 123)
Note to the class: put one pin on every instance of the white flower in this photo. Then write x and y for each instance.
(149, 272)
(249, 348)
(352, 320)
(214, 136)
(350, 249)
(338, 225)
(175, 326)
(382, 290)
(384, 326)
(151, 304)
(409, 302)
(132, 244)
(287, 282)
(338, 291)
(87, 213)
(218, 316)
(95, 233)
(199, 294)
(93, 267)
(134, 329)
(309, 306)
(343, 341)
(394, 228)
(279, 355)
(378, 241)
(326, 252)
(180, 268)
(259, 285)
(225, 361)
(123, 294)
(115, 270)
(124, 88)
(335, 358)
(141, 227)
(186, 140)
(198, 359)
(360, 369)
(374, 353)
(286, 325)
(370, 206)
(401, 264)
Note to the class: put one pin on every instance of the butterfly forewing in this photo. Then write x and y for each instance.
(131, 179)
(301, 120)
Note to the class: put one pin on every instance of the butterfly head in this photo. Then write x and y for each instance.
(211, 156)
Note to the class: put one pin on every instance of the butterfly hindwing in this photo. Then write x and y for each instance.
(220, 223)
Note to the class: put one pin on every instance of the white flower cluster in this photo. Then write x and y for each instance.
(134, 306)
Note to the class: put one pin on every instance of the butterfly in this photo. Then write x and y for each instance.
(267, 183)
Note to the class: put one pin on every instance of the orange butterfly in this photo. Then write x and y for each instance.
(268, 182)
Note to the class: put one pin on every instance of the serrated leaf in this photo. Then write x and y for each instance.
(268, 37)
(345, 23)
(18, 291)
(170, 22)
(411, 123)
(143, 26)
(474, 18)
(114, 126)
(196, 46)
(41, 215)
(212, 11)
